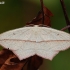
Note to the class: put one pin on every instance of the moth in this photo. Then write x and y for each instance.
(25, 42)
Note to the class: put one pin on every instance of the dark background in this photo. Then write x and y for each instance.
(15, 14)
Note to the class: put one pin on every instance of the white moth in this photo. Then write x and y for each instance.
(42, 41)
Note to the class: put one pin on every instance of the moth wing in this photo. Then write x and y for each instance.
(21, 49)
(14, 39)
(53, 42)
(49, 49)
(48, 34)
(25, 51)
(16, 34)
(23, 54)
(18, 41)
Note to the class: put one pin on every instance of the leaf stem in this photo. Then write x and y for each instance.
(65, 28)
(65, 14)
(42, 11)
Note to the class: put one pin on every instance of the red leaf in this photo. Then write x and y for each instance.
(38, 19)
(34, 63)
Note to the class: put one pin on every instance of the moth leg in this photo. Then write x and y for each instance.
(65, 28)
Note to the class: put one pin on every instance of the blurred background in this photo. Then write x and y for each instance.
(15, 14)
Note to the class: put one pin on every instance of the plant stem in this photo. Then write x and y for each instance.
(42, 11)
(65, 28)
(65, 13)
